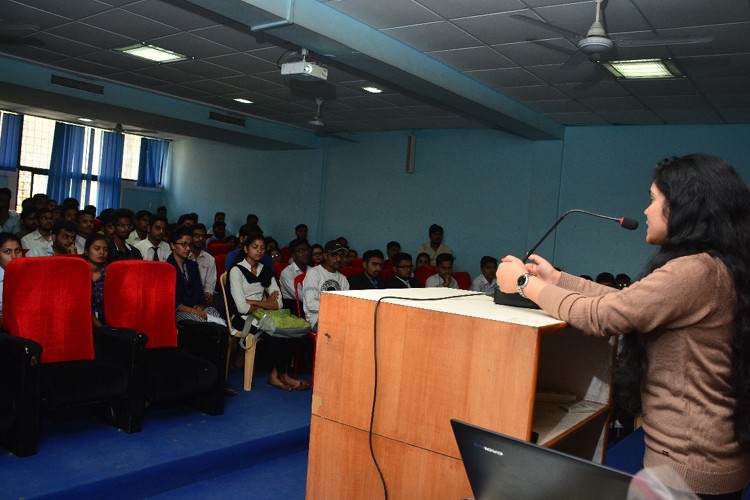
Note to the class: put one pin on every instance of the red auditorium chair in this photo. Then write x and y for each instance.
(56, 360)
(424, 272)
(463, 279)
(356, 262)
(187, 366)
(351, 271)
(286, 254)
(219, 248)
(277, 268)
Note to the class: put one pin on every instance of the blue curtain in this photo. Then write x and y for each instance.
(110, 170)
(153, 160)
(66, 163)
(10, 141)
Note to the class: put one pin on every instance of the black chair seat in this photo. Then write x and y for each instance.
(70, 383)
(172, 372)
(7, 408)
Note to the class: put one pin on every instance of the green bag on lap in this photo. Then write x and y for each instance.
(281, 323)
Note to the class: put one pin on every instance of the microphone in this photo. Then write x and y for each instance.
(626, 222)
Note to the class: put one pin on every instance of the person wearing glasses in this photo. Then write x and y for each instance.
(191, 303)
(119, 249)
(317, 255)
(323, 278)
(206, 262)
(402, 273)
(300, 258)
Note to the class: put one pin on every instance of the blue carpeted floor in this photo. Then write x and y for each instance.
(257, 449)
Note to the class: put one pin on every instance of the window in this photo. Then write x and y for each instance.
(36, 151)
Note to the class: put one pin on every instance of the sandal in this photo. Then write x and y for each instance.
(303, 386)
(281, 387)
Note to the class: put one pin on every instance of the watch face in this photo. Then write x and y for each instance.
(522, 280)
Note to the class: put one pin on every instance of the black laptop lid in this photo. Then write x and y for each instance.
(502, 467)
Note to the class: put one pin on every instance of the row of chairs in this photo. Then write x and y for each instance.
(52, 360)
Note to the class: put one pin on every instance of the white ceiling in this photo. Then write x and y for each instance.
(462, 58)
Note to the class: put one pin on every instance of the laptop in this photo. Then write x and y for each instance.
(502, 467)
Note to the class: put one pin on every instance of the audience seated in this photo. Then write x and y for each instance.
(485, 281)
(206, 261)
(154, 247)
(10, 221)
(140, 231)
(435, 246)
(423, 260)
(95, 252)
(252, 286)
(42, 235)
(391, 249)
(372, 263)
(121, 222)
(190, 299)
(403, 268)
(300, 258)
(606, 279)
(300, 232)
(10, 249)
(323, 278)
(444, 276)
(218, 233)
(63, 241)
(317, 254)
(85, 223)
(28, 221)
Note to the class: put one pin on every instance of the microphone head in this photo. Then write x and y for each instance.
(628, 223)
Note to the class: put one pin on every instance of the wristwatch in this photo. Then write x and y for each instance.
(523, 280)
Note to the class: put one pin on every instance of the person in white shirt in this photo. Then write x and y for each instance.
(435, 246)
(444, 276)
(300, 259)
(85, 223)
(63, 241)
(140, 232)
(323, 278)
(486, 282)
(10, 221)
(154, 247)
(42, 235)
(10, 248)
(206, 261)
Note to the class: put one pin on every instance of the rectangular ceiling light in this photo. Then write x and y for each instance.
(642, 68)
(243, 101)
(152, 53)
(372, 90)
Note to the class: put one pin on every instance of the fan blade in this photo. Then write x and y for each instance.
(577, 58)
(569, 35)
(663, 40)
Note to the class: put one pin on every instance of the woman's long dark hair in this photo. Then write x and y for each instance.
(708, 210)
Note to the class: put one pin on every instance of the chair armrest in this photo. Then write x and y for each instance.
(17, 356)
(20, 375)
(120, 345)
(205, 340)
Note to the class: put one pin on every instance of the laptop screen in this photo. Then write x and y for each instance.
(502, 467)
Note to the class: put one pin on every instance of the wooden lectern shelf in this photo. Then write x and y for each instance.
(464, 358)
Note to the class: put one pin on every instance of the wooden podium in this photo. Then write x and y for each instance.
(464, 358)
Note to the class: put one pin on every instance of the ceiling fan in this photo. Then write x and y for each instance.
(596, 42)
(316, 121)
(322, 129)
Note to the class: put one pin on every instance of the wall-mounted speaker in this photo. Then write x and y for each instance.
(411, 150)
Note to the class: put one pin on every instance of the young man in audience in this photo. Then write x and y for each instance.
(28, 221)
(187, 220)
(140, 232)
(486, 282)
(70, 214)
(391, 249)
(10, 222)
(42, 235)
(63, 241)
(154, 247)
(300, 258)
(372, 263)
(435, 246)
(300, 231)
(219, 232)
(444, 276)
(323, 278)
(402, 273)
(206, 262)
(40, 201)
(119, 249)
(85, 225)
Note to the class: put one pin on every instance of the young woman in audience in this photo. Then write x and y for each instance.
(253, 286)
(189, 294)
(423, 260)
(95, 252)
(686, 323)
(316, 255)
(10, 248)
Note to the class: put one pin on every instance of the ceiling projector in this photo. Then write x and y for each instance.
(305, 70)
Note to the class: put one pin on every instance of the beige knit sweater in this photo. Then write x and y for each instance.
(685, 310)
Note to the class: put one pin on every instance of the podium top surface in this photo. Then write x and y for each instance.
(461, 302)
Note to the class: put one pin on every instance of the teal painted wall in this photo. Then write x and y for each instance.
(281, 187)
(494, 193)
